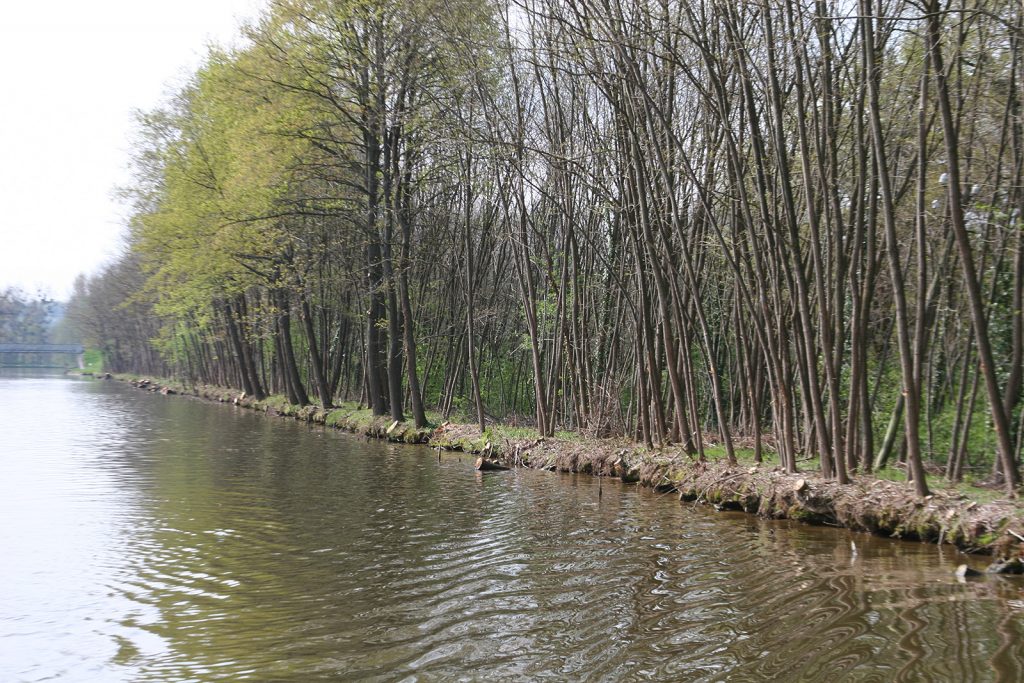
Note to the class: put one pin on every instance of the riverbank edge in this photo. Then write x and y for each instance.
(867, 504)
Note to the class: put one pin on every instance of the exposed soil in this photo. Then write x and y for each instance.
(867, 504)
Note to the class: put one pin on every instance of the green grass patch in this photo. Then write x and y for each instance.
(350, 415)
(499, 431)
(280, 404)
(743, 455)
(93, 361)
(569, 436)
(938, 483)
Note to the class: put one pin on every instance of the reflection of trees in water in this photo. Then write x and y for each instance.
(269, 546)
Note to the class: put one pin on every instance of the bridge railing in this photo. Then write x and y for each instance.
(74, 349)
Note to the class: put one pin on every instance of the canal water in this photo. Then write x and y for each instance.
(152, 538)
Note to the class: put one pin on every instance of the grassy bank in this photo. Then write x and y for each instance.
(974, 520)
(92, 364)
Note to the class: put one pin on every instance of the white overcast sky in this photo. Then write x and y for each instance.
(71, 74)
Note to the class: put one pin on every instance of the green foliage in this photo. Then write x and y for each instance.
(25, 319)
(92, 360)
(329, 184)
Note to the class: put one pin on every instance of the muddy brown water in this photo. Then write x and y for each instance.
(151, 538)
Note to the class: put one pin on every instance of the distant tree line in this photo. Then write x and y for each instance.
(779, 225)
(26, 319)
(31, 319)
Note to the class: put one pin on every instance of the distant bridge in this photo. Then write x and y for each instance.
(42, 348)
(75, 350)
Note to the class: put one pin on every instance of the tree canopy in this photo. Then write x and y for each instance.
(790, 228)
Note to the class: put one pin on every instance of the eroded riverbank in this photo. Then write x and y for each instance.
(867, 504)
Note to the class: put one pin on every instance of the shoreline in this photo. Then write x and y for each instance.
(868, 504)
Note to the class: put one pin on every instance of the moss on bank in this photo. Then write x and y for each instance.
(868, 503)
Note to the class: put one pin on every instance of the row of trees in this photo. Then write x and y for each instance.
(32, 319)
(781, 224)
(26, 319)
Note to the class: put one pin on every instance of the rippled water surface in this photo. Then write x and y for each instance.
(151, 538)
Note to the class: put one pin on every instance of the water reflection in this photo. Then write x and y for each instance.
(164, 539)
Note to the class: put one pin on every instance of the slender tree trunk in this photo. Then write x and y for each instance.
(979, 323)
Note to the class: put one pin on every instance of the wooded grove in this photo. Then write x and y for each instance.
(786, 226)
